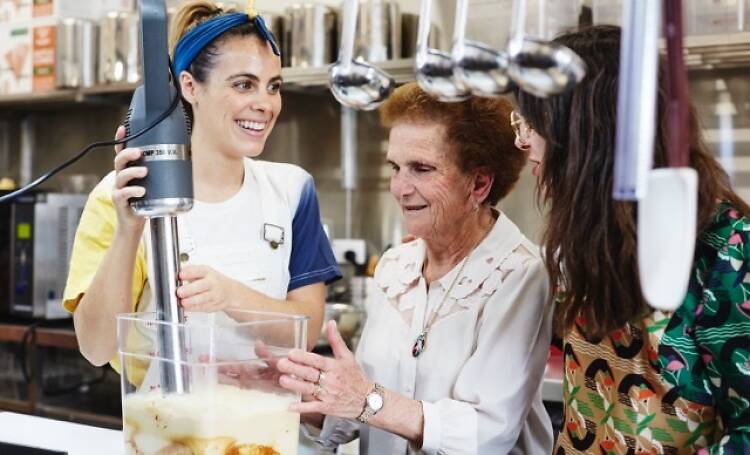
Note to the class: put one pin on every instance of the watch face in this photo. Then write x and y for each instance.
(374, 401)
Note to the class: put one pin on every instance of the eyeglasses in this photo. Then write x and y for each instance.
(520, 127)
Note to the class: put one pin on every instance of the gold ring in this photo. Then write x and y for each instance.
(316, 392)
(321, 377)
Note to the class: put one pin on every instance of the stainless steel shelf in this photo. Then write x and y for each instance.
(295, 80)
(401, 70)
(24, 100)
(730, 50)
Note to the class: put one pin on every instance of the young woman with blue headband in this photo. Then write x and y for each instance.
(253, 239)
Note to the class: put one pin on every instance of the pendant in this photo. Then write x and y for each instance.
(419, 343)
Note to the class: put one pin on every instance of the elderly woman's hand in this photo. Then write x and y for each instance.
(335, 386)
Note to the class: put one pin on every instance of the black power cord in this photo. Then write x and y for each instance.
(46, 176)
(49, 174)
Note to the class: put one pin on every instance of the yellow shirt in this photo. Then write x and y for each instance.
(93, 238)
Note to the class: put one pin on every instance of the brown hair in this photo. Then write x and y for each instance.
(590, 238)
(478, 128)
(196, 12)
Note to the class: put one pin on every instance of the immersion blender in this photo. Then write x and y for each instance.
(168, 184)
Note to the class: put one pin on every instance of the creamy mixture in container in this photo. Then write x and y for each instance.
(216, 420)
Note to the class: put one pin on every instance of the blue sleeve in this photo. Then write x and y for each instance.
(312, 259)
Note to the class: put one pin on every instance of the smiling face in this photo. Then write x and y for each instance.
(433, 193)
(239, 102)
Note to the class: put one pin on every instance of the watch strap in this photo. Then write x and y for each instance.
(368, 412)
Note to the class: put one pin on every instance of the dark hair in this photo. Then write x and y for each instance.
(478, 128)
(196, 12)
(590, 239)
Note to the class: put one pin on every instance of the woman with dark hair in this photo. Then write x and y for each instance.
(452, 355)
(636, 380)
(253, 239)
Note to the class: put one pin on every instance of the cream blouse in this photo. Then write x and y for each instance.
(479, 377)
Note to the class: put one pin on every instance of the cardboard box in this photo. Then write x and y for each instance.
(15, 10)
(16, 48)
(43, 37)
(27, 57)
(25, 10)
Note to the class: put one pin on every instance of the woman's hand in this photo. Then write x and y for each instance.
(207, 290)
(127, 221)
(335, 386)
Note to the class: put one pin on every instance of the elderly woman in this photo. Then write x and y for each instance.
(452, 356)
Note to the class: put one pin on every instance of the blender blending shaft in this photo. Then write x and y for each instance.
(165, 260)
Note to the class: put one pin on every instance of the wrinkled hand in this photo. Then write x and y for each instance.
(343, 387)
(126, 219)
(206, 290)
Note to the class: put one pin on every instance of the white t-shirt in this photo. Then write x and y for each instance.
(277, 203)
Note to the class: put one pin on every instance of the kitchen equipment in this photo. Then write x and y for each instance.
(5, 171)
(6, 264)
(667, 214)
(277, 23)
(312, 35)
(409, 29)
(539, 67)
(636, 103)
(719, 17)
(434, 68)
(76, 53)
(349, 321)
(358, 85)
(119, 48)
(378, 32)
(42, 229)
(480, 68)
(168, 183)
(235, 403)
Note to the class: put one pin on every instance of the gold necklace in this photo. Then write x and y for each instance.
(420, 343)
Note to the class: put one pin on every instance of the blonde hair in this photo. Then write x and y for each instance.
(188, 16)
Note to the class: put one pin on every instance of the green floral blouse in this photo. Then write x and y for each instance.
(672, 384)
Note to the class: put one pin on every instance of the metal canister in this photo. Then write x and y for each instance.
(89, 32)
(276, 23)
(378, 31)
(75, 55)
(410, 24)
(312, 35)
(119, 48)
(66, 58)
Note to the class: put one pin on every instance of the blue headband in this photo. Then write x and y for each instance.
(194, 41)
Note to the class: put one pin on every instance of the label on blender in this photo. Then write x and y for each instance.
(220, 420)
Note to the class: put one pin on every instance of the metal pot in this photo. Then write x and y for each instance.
(409, 27)
(119, 48)
(311, 35)
(76, 53)
(276, 23)
(378, 31)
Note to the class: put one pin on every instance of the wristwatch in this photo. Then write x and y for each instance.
(373, 403)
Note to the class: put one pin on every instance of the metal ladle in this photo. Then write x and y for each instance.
(434, 68)
(355, 84)
(480, 68)
(539, 67)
